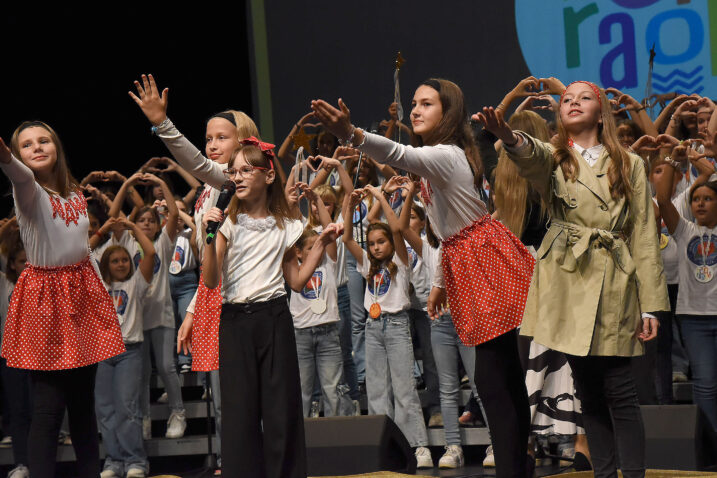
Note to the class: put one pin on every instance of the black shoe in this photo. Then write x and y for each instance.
(530, 466)
(581, 462)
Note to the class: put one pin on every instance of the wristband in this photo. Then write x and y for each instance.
(672, 162)
(363, 141)
(349, 141)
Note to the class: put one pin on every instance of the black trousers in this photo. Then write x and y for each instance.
(18, 402)
(53, 391)
(501, 386)
(262, 422)
(611, 414)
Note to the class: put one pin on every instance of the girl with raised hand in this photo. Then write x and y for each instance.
(253, 255)
(485, 270)
(696, 305)
(390, 385)
(61, 320)
(117, 388)
(159, 326)
(601, 250)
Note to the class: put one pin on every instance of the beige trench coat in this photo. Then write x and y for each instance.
(592, 281)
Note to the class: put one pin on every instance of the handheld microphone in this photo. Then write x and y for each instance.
(228, 190)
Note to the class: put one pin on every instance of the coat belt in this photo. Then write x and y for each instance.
(580, 238)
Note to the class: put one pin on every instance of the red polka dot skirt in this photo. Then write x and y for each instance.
(487, 271)
(60, 318)
(205, 331)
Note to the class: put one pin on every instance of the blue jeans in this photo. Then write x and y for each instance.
(182, 286)
(118, 411)
(344, 302)
(446, 349)
(319, 353)
(161, 340)
(700, 335)
(356, 287)
(422, 328)
(389, 370)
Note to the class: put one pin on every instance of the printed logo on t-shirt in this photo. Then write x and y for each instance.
(178, 254)
(157, 262)
(360, 212)
(382, 279)
(120, 299)
(396, 200)
(412, 256)
(312, 289)
(703, 251)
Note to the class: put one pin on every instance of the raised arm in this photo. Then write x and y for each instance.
(134, 196)
(122, 194)
(172, 209)
(663, 184)
(146, 265)
(324, 217)
(284, 152)
(22, 178)
(399, 245)
(154, 106)
(297, 275)
(350, 203)
(342, 154)
(404, 220)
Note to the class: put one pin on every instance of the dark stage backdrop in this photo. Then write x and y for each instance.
(72, 69)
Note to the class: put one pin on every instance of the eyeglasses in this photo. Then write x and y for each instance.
(245, 171)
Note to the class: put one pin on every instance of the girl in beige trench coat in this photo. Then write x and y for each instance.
(599, 273)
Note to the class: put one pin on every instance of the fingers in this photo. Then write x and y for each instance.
(344, 108)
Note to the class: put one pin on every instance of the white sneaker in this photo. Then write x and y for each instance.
(423, 457)
(6, 441)
(164, 398)
(135, 473)
(314, 410)
(176, 425)
(108, 474)
(20, 471)
(147, 428)
(452, 458)
(489, 460)
(357, 408)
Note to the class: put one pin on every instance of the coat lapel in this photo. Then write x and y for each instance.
(593, 177)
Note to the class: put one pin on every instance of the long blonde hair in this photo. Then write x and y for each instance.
(325, 192)
(511, 190)
(64, 182)
(620, 168)
(242, 122)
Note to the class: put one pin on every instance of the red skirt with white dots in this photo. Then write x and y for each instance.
(487, 272)
(60, 318)
(205, 330)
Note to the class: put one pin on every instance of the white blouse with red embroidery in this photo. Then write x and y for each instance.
(447, 189)
(53, 229)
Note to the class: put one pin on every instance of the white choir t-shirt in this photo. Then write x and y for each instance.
(129, 297)
(183, 258)
(391, 293)
(321, 286)
(421, 278)
(158, 311)
(252, 269)
(697, 245)
(342, 276)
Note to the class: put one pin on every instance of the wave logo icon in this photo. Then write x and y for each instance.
(609, 42)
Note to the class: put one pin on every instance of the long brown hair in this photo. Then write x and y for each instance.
(375, 263)
(453, 128)
(64, 182)
(620, 168)
(275, 199)
(105, 263)
(511, 190)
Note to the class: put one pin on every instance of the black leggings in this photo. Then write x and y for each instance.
(501, 386)
(53, 391)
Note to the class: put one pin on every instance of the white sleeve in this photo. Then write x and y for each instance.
(190, 307)
(189, 157)
(682, 204)
(438, 280)
(435, 163)
(23, 185)
(364, 267)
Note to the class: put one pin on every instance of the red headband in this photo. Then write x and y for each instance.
(594, 87)
(266, 148)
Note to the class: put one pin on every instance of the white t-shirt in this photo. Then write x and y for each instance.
(360, 221)
(183, 258)
(341, 276)
(670, 259)
(129, 297)
(53, 229)
(421, 279)
(158, 310)
(322, 285)
(252, 270)
(391, 293)
(697, 246)
(6, 288)
(681, 200)
(98, 251)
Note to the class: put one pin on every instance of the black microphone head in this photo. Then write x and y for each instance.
(229, 186)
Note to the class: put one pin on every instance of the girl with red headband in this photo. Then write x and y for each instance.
(485, 270)
(601, 253)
